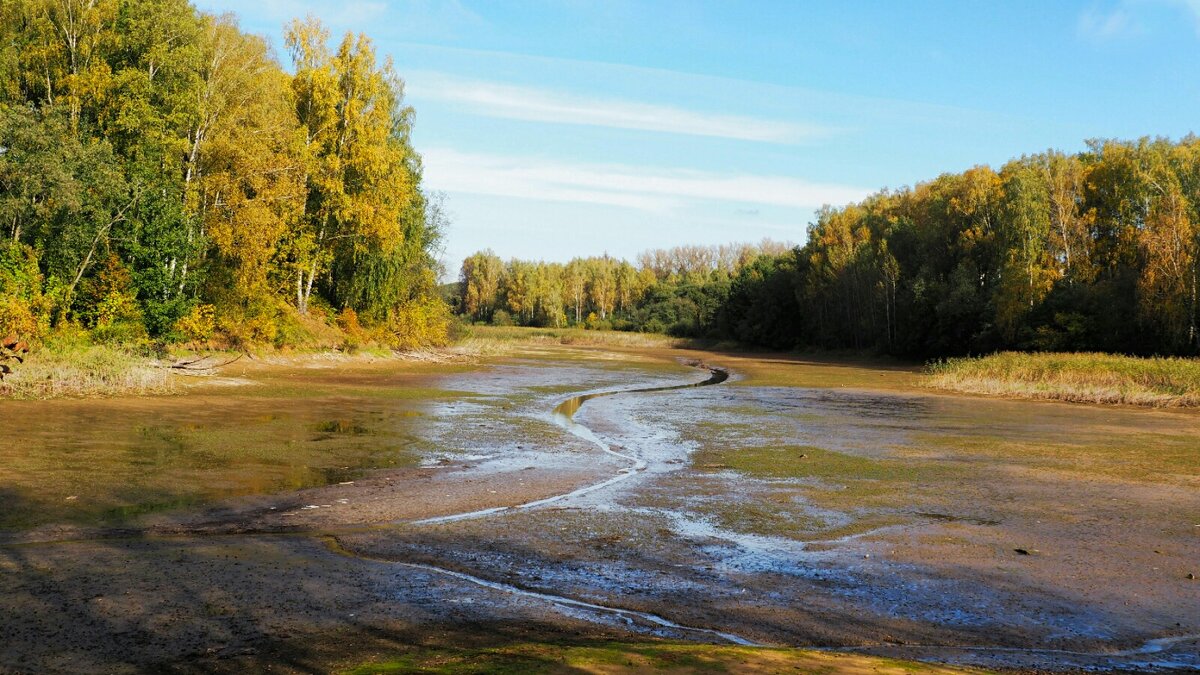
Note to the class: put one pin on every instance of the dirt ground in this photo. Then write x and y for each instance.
(298, 522)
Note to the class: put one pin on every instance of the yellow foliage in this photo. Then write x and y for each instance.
(116, 306)
(198, 324)
(17, 316)
(347, 320)
(248, 330)
(421, 323)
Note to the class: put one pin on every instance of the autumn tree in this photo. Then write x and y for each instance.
(348, 106)
(480, 278)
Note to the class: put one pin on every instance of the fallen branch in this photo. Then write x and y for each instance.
(190, 367)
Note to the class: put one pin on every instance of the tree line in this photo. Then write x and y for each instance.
(1096, 250)
(163, 177)
(667, 290)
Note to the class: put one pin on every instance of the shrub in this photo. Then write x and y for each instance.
(502, 318)
(347, 320)
(16, 316)
(23, 307)
(198, 324)
(420, 323)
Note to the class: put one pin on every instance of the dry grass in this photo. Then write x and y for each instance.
(1083, 378)
(500, 340)
(85, 370)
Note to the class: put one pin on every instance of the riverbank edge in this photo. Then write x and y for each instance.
(1086, 377)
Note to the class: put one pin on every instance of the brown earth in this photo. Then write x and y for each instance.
(811, 503)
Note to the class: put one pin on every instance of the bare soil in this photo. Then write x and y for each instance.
(817, 504)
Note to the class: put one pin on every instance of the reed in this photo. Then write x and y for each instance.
(1078, 377)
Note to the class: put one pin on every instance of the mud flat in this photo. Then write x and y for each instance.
(588, 505)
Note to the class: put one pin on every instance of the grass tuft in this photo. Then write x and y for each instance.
(72, 370)
(1082, 378)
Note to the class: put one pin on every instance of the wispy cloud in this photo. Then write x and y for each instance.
(1098, 24)
(536, 104)
(1133, 18)
(648, 189)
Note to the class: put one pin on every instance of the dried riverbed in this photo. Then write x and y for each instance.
(330, 513)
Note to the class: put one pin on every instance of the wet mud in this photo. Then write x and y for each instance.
(590, 494)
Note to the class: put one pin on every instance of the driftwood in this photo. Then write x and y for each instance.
(197, 366)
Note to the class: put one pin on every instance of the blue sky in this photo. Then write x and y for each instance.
(576, 127)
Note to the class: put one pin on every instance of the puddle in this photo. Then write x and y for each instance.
(110, 461)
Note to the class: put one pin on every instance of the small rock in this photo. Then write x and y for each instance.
(72, 498)
(1025, 551)
(1191, 576)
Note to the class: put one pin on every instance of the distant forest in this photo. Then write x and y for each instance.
(164, 178)
(1070, 252)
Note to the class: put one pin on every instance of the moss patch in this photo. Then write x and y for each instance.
(635, 657)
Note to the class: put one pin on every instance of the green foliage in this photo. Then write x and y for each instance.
(1091, 251)
(24, 309)
(153, 164)
(679, 290)
(1094, 251)
(502, 318)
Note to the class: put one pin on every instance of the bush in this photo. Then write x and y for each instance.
(16, 316)
(684, 328)
(198, 324)
(654, 326)
(595, 323)
(420, 323)
(502, 318)
(347, 320)
(23, 308)
(124, 332)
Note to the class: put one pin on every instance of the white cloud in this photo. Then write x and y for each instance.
(620, 185)
(545, 105)
(1105, 25)
(1127, 18)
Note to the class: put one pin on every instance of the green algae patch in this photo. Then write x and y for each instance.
(111, 461)
(639, 657)
(1144, 456)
